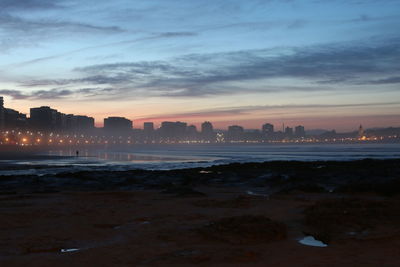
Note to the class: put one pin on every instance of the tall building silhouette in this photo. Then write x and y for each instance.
(207, 131)
(299, 131)
(44, 118)
(288, 132)
(14, 119)
(173, 131)
(267, 130)
(2, 113)
(361, 132)
(117, 125)
(207, 127)
(84, 123)
(235, 133)
(77, 123)
(10, 118)
(148, 131)
(148, 127)
(192, 132)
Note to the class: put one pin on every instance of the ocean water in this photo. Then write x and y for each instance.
(161, 157)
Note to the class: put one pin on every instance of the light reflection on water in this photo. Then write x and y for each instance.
(239, 153)
(118, 156)
(190, 156)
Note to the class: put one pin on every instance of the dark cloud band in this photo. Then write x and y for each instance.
(336, 67)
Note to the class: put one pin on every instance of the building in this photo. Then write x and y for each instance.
(299, 131)
(253, 135)
(84, 123)
(167, 130)
(117, 125)
(60, 121)
(173, 131)
(148, 131)
(181, 128)
(44, 118)
(207, 127)
(14, 120)
(267, 131)
(361, 132)
(267, 128)
(288, 132)
(235, 133)
(148, 127)
(2, 123)
(70, 122)
(192, 132)
(207, 131)
(11, 119)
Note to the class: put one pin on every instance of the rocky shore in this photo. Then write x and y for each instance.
(374, 176)
(253, 214)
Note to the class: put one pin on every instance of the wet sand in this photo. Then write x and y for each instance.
(234, 215)
(151, 228)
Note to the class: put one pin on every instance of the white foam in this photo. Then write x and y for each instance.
(66, 250)
(311, 241)
(251, 193)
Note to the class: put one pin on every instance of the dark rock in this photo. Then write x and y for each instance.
(332, 219)
(378, 176)
(384, 188)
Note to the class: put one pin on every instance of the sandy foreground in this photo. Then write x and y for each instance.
(152, 228)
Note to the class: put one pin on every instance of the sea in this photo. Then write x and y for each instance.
(167, 157)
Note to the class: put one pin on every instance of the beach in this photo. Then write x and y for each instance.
(250, 214)
(199, 133)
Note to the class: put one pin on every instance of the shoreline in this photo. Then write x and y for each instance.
(367, 175)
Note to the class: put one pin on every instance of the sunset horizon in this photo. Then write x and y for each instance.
(221, 118)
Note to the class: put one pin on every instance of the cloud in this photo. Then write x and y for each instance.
(243, 110)
(14, 23)
(175, 34)
(97, 79)
(389, 80)
(297, 24)
(368, 18)
(28, 4)
(16, 94)
(16, 31)
(338, 66)
(55, 93)
(291, 24)
(154, 36)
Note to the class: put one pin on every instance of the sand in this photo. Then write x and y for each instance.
(152, 228)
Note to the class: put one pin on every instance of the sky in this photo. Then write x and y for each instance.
(324, 64)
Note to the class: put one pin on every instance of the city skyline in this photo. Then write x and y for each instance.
(46, 117)
(321, 64)
(49, 127)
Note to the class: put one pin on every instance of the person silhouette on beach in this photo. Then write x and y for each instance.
(77, 153)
